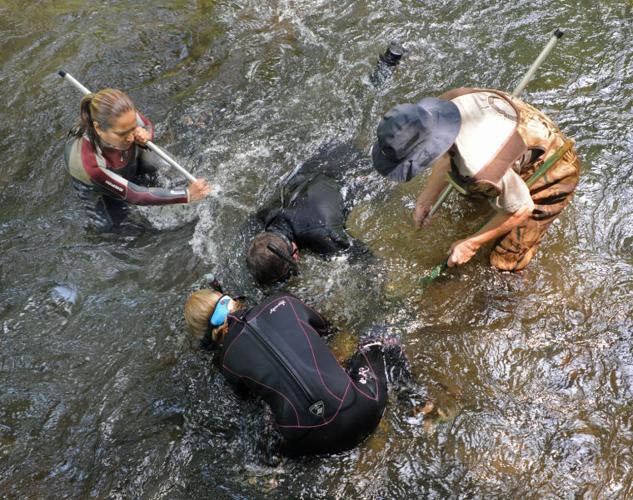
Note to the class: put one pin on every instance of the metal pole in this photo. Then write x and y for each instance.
(165, 156)
(558, 33)
(160, 152)
(440, 200)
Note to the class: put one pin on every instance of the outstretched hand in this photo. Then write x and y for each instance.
(199, 189)
(461, 252)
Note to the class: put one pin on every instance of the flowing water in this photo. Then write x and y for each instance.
(102, 395)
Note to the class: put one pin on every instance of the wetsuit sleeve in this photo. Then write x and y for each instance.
(118, 187)
(144, 122)
(314, 319)
(340, 238)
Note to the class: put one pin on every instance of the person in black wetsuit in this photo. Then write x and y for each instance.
(308, 212)
(275, 349)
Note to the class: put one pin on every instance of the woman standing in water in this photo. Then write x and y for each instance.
(109, 165)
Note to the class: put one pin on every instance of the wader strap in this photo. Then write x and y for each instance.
(512, 150)
(550, 162)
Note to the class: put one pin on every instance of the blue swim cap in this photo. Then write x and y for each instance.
(220, 312)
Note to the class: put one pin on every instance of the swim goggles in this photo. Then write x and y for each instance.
(220, 312)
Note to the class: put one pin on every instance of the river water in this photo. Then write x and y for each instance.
(102, 395)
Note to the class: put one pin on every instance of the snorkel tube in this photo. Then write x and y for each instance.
(387, 63)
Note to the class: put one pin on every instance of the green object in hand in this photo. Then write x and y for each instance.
(440, 268)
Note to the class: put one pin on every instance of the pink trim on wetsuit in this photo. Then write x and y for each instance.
(327, 422)
(264, 385)
(371, 368)
(303, 325)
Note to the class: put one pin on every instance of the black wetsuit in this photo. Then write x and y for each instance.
(276, 350)
(312, 214)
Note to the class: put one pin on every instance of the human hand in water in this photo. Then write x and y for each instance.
(141, 136)
(198, 189)
(461, 252)
(421, 214)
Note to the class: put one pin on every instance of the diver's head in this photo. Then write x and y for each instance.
(272, 257)
(206, 314)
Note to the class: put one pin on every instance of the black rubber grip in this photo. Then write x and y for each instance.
(61, 73)
(558, 33)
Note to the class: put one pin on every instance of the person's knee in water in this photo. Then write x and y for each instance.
(275, 349)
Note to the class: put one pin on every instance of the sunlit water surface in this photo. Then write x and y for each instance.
(101, 393)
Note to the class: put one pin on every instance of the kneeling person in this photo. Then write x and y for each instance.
(275, 349)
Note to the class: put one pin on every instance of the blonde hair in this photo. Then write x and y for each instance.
(103, 107)
(198, 309)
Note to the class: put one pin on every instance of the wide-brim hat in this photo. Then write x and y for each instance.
(412, 136)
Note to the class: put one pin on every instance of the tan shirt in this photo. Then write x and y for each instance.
(487, 121)
(515, 194)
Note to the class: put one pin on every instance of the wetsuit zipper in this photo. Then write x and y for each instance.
(307, 392)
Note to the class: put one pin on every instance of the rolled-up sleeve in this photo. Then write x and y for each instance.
(514, 196)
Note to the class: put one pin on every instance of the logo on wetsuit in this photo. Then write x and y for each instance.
(114, 186)
(364, 375)
(317, 409)
(274, 309)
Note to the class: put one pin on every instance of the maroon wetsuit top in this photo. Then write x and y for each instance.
(110, 171)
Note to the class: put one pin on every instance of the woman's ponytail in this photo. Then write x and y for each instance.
(86, 122)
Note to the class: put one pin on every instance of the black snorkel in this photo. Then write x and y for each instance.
(387, 63)
(393, 54)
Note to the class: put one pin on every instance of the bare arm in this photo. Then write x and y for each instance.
(431, 192)
(463, 250)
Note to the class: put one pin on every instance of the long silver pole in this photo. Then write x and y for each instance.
(440, 200)
(558, 33)
(160, 152)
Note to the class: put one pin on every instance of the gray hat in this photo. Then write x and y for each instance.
(412, 136)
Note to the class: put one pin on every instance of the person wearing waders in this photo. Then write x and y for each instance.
(109, 165)
(276, 351)
(308, 212)
(487, 143)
